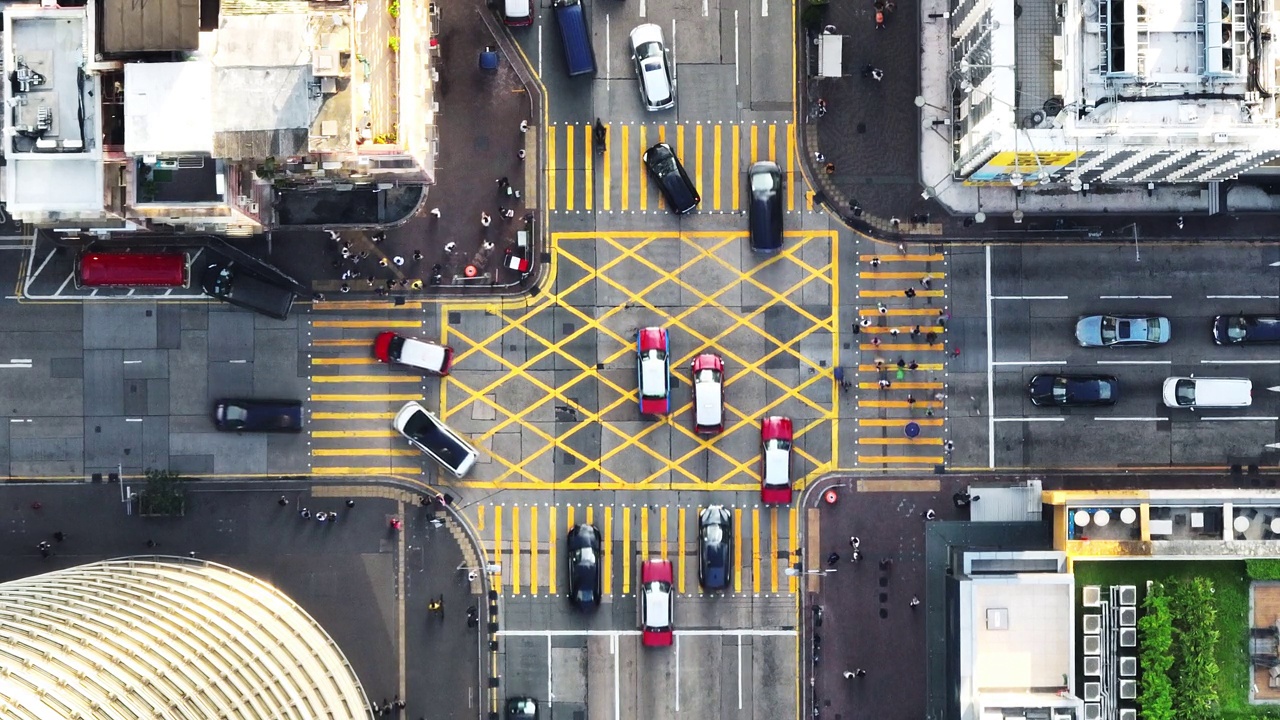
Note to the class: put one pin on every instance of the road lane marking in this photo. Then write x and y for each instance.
(662, 532)
(898, 294)
(1260, 418)
(791, 167)
(568, 167)
(345, 361)
(515, 549)
(898, 422)
(380, 470)
(1240, 362)
(1135, 362)
(361, 452)
(1130, 419)
(352, 416)
(900, 441)
(736, 80)
(624, 153)
(366, 324)
(1242, 297)
(606, 199)
(716, 160)
(551, 167)
(697, 152)
(644, 533)
(1020, 363)
(343, 342)
(644, 187)
(899, 460)
(1029, 297)
(608, 548)
(497, 543)
(737, 133)
(588, 158)
(1027, 419)
(773, 546)
(793, 582)
(1135, 297)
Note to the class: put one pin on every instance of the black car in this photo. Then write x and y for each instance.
(1238, 329)
(585, 581)
(239, 415)
(1073, 390)
(674, 182)
(522, 708)
(715, 548)
(764, 183)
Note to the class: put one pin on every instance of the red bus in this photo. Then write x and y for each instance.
(128, 269)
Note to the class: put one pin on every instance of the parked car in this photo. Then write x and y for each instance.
(242, 415)
(775, 460)
(653, 371)
(673, 181)
(1066, 390)
(1122, 330)
(585, 580)
(657, 603)
(388, 347)
(715, 548)
(517, 13)
(708, 394)
(764, 214)
(1246, 329)
(653, 67)
(1192, 392)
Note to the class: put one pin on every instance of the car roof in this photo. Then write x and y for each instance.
(423, 354)
(777, 466)
(517, 9)
(707, 409)
(653, 375)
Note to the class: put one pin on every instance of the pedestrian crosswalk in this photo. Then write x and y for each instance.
(715, 155)
(526, 542)
(353, 396)
(900, 331)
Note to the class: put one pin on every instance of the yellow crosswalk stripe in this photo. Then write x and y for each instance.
(773, 546)
(497, 543)
(716, 160)
(552, 538)
(588, 156)
(533, 549)
(361, 452)
(515, 549)
(366, 324)
(626, 550)
(737, 549)
(680, 553)
(345, 361)
(551, 160)
(379, 470)
(793, 581)
(569, 168)
(899, 441)
(662, 523)
(626, 167)
(608, 548)
(644, 533)
(365, 378)
(360, 397)
(644, 187)
(737, 163)
(340, 342)
(755, 552)
(354, 433)
(352, 416)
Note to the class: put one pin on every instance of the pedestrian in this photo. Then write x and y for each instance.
(369, 280)
(902, 247)
(884, 309)
(334, 236)
(831, 168)
(940, 396)
(524, 126)
(283, 501)
(363, 254)
(322, 516)
(930, 514)
(417, 255)
(832, 559)
(877, 74)
(395, 702)
(948, 446)
(485, 219)
(820, 158)
(508, 213)
(894, 332)
(829, 30)
(926, 281)
(859, 672)
(911, 400)
(879, 19)
(955, 352)
(931, 337)
(857, 328)
(449, 246)
(351, 503)
(346, 254)
(400, 705)
(855, 557)
(59, 536)
(151, 543)
(503, 183)
(345, 288)
(383, 262)
(396, 524)
(915, 332)
(913, 365)
(520, 154)
(909, 292)
(885, 563)
(902, 362)
(378, 237)
(865, 322)
(473, 617)
(854, 541)
(915, 602)
(435, 212)
(875, 342)
(875, 262)
(848, 675)
(885, 384)
(516, 193)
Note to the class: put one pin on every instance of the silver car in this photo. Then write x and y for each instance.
(653, 67)
(1122, 330)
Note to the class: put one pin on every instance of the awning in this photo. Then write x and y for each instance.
(830, 63)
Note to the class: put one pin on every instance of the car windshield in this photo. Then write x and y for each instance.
(648, 51)
(761, 183)
(418, 427)
(713, 533)
(664, 165)
(1108, 329)
(585, 556)
(707, 375)
(396, 346)
(1185, 392)
(778, 444)
(1237, 328)
(1153, 330)
(654, 354)
(236, 413)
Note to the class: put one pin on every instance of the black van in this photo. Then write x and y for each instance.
(240, 415)
(225, 282)
(674, 182)
(579, 57)
(764, 186)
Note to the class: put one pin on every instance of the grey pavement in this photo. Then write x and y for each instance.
(346, 574)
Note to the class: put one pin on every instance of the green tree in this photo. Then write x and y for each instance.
(1155, 634)
(1195, 636)
(164, 494)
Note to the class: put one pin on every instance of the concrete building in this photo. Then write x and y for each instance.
(188, 115)
(1074, 93)
(166, 637)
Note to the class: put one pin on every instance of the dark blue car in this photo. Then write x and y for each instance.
(715, 548)
(1065, 390)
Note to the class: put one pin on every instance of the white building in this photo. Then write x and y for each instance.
(1121, 92)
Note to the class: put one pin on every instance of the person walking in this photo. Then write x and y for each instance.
(930, 514)
(283, 501)
(305, 514)
(926, 281)
(832, 559)
(398, 260)
(524, 126)
(909, 292)
(449, 246)
(830, 168)
(435, 212)
(884, 309)
(854, 541)
(915, 602)
(865, 322)
(485, 220)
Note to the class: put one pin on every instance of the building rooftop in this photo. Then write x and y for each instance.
(128, 26)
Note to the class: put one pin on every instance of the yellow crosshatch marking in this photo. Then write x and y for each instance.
(559, 391)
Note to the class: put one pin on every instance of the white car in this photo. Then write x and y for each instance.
(426, 432)
(653, 67)
(1193, 392)
(435, 358)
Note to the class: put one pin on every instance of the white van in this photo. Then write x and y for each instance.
(1193, 392)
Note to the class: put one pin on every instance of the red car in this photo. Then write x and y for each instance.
(653, 371)
(435, 358)
(708, 394)
(775, 460)
(657, 603)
